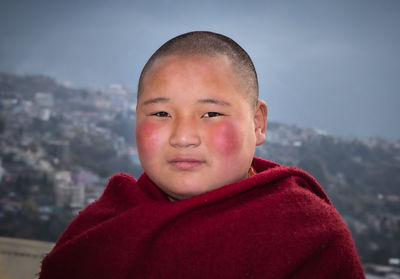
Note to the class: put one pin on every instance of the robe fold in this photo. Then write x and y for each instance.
(278, 223)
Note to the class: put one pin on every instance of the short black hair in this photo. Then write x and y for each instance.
(210, 44)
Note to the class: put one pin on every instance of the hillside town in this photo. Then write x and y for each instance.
(59, 145)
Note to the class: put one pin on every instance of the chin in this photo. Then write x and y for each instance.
(188, 193)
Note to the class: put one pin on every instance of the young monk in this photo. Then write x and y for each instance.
(204, 206)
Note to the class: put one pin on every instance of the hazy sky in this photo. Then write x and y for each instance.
(333, 65)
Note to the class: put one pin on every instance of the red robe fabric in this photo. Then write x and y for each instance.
(278, 223)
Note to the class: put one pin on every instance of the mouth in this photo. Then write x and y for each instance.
(185, 163)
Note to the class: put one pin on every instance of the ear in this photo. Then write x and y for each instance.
(260, 121)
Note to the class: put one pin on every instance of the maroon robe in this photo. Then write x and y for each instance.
(278, 223)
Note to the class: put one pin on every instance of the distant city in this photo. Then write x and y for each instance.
(59, 145)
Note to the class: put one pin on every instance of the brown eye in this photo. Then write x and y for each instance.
(211, 114)
(161, 114)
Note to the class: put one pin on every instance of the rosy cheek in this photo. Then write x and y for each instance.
(147, 137)
(225, 137)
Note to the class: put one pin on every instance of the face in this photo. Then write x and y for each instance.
(195, 128)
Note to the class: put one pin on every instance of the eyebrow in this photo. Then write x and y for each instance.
(156, 101)
(214, 101)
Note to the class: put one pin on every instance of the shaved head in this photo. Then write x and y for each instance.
(209, 44)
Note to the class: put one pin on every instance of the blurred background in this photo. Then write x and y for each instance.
(328, 70)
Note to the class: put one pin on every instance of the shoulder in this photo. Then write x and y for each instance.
(290, 178)
(297, 200)
(305, 218)
(120, 193)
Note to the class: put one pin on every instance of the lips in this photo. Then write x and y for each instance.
(185, 163)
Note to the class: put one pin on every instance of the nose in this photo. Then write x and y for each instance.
(184, 134)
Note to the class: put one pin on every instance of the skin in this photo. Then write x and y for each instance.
(196, 130)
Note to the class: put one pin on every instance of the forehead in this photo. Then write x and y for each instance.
(212, 74)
